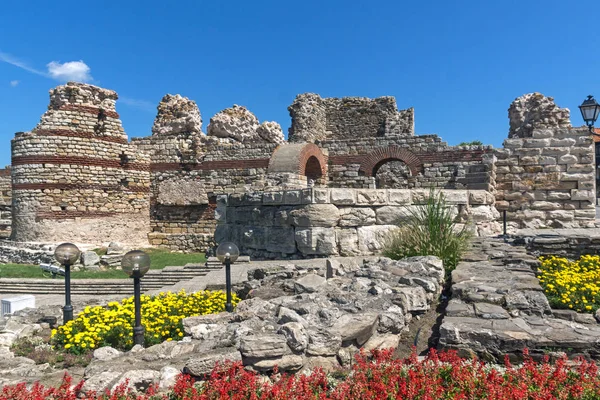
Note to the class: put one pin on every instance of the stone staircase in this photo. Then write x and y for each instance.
(153, 280)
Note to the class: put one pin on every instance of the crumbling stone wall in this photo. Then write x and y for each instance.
(545, 173)
(321, 222)
(315, 118)
(188, 168)
(430, 162)
(77, 164)
(5, 203)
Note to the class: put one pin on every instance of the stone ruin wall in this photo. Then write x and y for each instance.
(5, 203)
(74, 176)
(189, 168)
(322, 222)
(545, 172)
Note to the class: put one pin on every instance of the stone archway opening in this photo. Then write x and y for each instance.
(313, 170)
(393, 174)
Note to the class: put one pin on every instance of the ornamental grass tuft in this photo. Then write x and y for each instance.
(431, 230)
(571, 284)
(112, 325)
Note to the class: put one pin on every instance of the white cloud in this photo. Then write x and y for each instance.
(7, 58)
(69, 71)
(14, 83)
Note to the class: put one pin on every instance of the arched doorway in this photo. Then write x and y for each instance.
(393, 174)
(313, 169)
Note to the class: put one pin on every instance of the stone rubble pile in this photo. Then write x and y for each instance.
(295, 317)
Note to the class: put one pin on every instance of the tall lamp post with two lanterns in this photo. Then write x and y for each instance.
(135, 264)
(67, 254)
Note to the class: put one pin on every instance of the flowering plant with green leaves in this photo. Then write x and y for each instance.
(112, 325)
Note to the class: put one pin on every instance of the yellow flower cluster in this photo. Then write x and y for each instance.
(572, 284)
(113, 325)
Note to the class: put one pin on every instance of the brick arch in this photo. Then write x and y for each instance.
(293, 157)
(375, 159)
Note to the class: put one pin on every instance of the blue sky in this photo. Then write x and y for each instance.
(459, 63)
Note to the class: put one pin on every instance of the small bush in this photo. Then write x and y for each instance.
(472, 143)
(571, 284)
(430, 231)
(113, 325)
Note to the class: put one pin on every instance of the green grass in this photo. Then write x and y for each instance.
(159, 259)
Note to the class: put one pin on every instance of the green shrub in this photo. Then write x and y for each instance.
(430, 231)
(472, 143)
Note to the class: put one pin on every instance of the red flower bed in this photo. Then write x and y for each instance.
(439, 376)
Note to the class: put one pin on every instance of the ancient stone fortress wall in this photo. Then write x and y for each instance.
(5, 203)
(545, 173)
(188, 167)
(371, 144)
(75, 170)
(320, 222)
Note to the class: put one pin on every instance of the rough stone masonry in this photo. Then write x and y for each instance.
(77, 168)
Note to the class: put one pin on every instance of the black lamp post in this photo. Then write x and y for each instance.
(227, 253)
(590, 109)
(135, 264)
(67, 254)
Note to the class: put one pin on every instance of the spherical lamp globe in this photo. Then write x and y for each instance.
(135, 263)
(227, 251)
(67, 254)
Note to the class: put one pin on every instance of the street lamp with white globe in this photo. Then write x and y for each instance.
(67, 254)
(227, 253)
(135, 264)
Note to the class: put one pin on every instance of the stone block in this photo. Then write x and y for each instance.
(566, 142)
(535, 143)
(399, 196)
(356, 216)
(347, 241)
(580, 168)
(181, 193)
(307, 196)
(547, 160)
(292, 197)
(545, 205)
(371, 197)
(483, 213)
(343, 196)
(320, 195)
(393, 215)
(587, 195)
(263, 346)
(480, 197)
(254, 237)
(542, 133)
(281, 240)
(273, 198)
(562, 215)
(456, 196)
(324, 215)
(555, 195)
(316, 241)
(585, 214)
(567, 159)
(371, 239)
